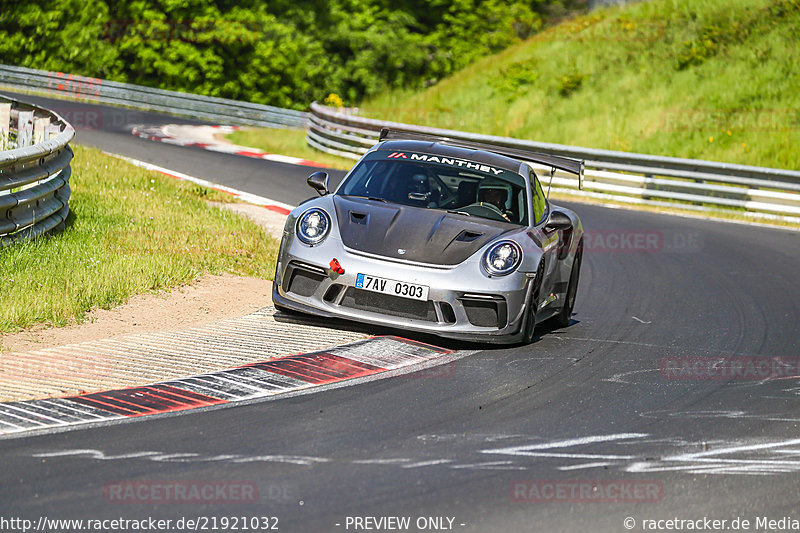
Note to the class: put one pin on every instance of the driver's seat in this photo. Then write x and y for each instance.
(467, 193)
(484, 191)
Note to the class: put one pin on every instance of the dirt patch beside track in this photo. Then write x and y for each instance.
(209, 299)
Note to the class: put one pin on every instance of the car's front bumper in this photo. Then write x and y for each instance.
(463, 302)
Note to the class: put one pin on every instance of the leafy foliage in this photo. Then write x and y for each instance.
(717, 34)
(706, 79)
(570, 81)
(516, 79)
(284, 53)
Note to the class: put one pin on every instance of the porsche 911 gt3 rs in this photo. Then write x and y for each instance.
(446, 237)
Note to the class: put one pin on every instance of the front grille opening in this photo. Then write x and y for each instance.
(302, 282)
(481, 313)
(448, 315)
(311, 268)
(333, 292)
(386, 304)
(487, 312)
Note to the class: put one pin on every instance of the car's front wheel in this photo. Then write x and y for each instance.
(529, 323)
(565, 315)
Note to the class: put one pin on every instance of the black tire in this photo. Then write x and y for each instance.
(564, 316)
(529, 322)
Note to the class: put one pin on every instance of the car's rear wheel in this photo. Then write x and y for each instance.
(565, 315)
(529, 322)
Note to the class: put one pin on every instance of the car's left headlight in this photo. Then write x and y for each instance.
(313, 226)
(502, 258)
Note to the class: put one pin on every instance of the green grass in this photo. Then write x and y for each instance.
(708, 79)
(131, 231)
(287, 142)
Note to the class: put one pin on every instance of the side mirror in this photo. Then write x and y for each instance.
(556, 221)
(319, 182)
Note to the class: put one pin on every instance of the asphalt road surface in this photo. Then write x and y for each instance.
(588, 426)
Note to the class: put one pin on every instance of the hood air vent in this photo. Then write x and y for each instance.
(358, 218)
(468, 236)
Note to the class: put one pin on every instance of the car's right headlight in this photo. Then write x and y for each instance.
(313, 226)
(502, 258)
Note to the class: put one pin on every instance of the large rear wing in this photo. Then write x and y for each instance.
(555, 162)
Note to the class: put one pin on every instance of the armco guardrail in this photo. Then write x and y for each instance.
(34, 170)
(617, 176)
(217, 110)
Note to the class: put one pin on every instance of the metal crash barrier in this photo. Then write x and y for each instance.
(34, 170)
(616, 176)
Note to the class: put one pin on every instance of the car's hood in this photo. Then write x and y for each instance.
(415, 234)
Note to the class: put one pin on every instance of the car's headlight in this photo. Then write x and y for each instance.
(502, 258)
(313, 226)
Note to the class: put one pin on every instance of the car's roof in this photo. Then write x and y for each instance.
(445, 150)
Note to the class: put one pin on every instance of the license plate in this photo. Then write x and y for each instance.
(390, 286)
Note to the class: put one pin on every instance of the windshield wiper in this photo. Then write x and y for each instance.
(373, 198)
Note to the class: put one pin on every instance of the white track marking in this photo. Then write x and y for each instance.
(242, 195)
(584, 466)
(432, 462)
(722, 461)
(530, 449)
(618, 378)
(174, 457)
(97, 454)
(290, 459)
(491, 465)
(737, 449)
(714, 461)
(400, 460)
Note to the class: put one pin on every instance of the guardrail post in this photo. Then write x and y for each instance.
(52, 131)
(40, 126)
(648, 184)
(5, 122)
(24, 128)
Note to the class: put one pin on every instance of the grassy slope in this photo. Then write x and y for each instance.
(131, 231)
(709, 79)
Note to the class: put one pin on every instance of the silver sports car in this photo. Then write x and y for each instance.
(451, 238)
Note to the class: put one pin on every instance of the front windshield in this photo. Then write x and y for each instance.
(436, 182)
